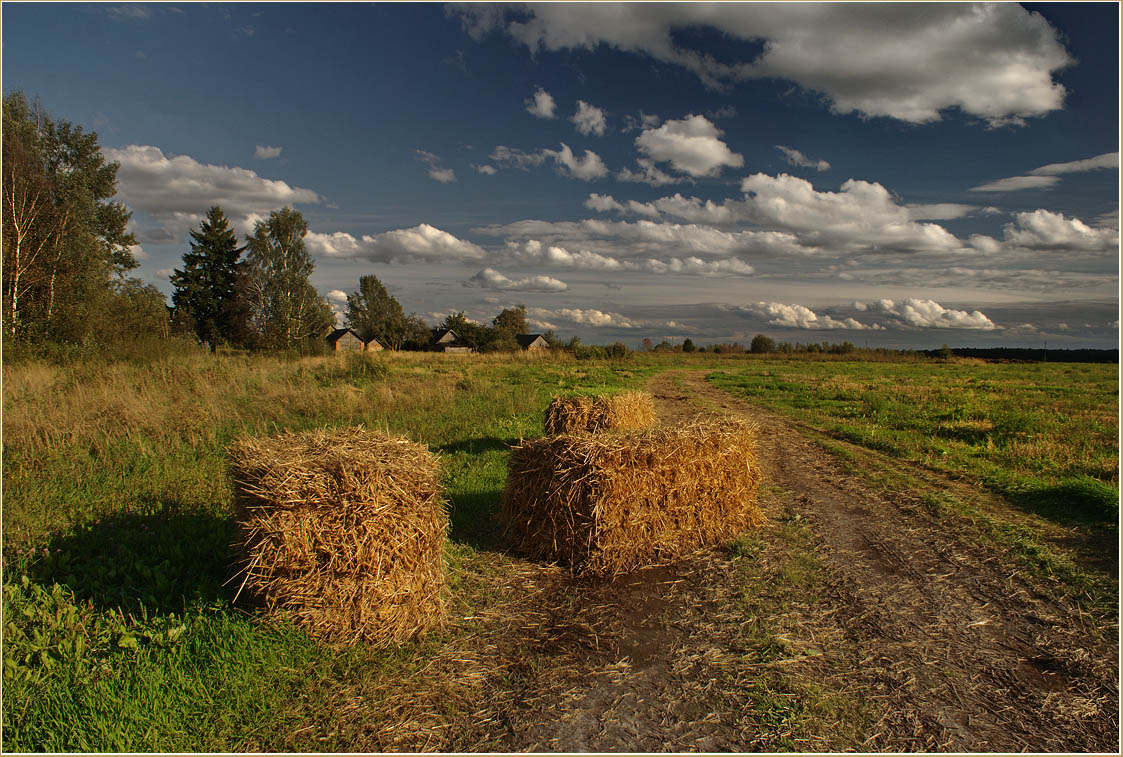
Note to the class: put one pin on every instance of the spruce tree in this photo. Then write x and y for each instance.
(209, 290)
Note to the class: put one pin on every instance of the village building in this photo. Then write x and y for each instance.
(532, 342)
(346, 340)
(446, 340)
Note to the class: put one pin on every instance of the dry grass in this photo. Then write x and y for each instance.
(617, 412)
(608, 503)
(342, 531)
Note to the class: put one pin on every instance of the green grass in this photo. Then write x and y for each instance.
(1044, 436)
(120, 632)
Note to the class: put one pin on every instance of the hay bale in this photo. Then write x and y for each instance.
(614, 412)
(606, 504)
(342, 531)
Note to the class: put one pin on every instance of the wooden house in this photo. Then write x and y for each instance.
(346, 340)
(532, 342)
(446, 340)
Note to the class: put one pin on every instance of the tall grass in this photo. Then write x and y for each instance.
(120, 633)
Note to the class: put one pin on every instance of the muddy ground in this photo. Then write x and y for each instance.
(916, 635)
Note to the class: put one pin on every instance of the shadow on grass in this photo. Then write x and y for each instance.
(161, 562)
(475, 446)
(1080, 501)
(475, 519)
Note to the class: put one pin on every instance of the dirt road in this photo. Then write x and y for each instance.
(939, 640)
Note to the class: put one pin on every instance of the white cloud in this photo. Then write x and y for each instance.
(602, 203)
(1015, 183)
(587, 168)
(943, 211)
(165, 273)
(129, 12)
(436, 171)
(589, 119)
(423, 243)
(533, 251)
(541, 105)
(489, 278)
(177, 190)
(337, 295)
(645, 121)
(691, 145)
(1107, 160)
(1046, 230)
(862, 216)
(486, 169)
(801, 317)
(906, 61)
(796, 158)
(929, 314)
(138, 252)
(649, 174)
(586, 317)
(266, 153)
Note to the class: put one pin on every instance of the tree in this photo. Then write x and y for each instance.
(207, 289)
(762, 344)
(374, 314)
(511, 320)
(647, 345)
(688, 345)
(66, 249)
(286, 310)
(469, 332)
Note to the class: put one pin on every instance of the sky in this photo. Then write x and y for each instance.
(888, 174)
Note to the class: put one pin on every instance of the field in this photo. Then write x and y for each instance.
(120, 633)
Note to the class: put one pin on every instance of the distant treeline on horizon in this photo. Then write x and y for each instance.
(1034, 354)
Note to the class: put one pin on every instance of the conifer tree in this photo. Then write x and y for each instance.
(209, 290)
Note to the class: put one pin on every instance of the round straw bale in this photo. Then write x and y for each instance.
(609, 503)
(342, 531)
(612, 412)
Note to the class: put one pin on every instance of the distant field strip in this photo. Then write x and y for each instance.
(1045, 436)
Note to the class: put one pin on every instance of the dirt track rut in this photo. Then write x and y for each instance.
(944, 639)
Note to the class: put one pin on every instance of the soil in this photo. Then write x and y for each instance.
(942, 637)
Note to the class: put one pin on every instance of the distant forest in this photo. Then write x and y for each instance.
(1033, 354)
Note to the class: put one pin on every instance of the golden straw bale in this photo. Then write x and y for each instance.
(343, 532)
(614, 412)
(606, 504)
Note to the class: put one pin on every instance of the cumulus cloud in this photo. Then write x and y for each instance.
(541, 105)
(603, 203)
(436, 171)
(796, 158)
(1046, 230)
(862, 215)
(648, 174)
(266, 153)
(929, 314)
(423, 243)
(1016, 183)
(995, 60)
(177, 190)
(486, 169)
(801, 317)
(534, 251)
(489, 278)
(337, 295)
(691, 145)
(644, 239)
(587, 168)
(589, 119)
(585, 317)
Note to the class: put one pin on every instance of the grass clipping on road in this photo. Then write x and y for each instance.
(342, 531)
(616, 412)
(605, 504)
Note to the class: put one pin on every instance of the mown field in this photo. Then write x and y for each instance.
(119, 629)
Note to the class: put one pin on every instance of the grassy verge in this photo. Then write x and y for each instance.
(1046, 458)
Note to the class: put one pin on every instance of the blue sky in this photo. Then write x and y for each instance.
(888, 174)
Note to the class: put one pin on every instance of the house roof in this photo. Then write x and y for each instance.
(440, 335)
(337, 333)
(525, 340)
